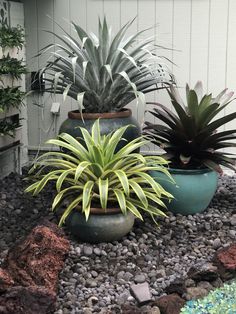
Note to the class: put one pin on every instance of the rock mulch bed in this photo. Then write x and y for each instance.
(97, 278)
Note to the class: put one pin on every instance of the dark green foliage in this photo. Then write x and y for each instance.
(7, 127)
(11, 97)
(11, 37)
(12, 66)
(189, 135)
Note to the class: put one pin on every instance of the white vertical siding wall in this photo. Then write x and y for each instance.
(201, 33)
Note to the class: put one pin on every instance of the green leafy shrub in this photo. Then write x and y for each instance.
(11, 37)
(218, 301)
(8, 127)
(189, 135)
(98, 176)
(12, 66)
(11, 97)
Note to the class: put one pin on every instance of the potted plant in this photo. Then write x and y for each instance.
(11, 40)
(193, 146)
(11, 97)
(9, 132)
(103, 74)
(104, 189)
(12, 66)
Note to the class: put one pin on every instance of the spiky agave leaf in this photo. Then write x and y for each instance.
(189, 136)
(88, 68)
(97, 174)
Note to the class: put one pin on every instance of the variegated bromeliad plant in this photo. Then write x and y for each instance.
(104, 73)
(189, 135)
(95, 175)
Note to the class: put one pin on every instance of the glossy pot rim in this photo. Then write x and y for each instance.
(190, 171)
(124, 113)
(101, 211)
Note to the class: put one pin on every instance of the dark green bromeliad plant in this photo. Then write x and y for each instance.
(189, 135)
(192, 144)
(94, 175)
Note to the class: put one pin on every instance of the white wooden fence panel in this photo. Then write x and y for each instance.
(201, 32)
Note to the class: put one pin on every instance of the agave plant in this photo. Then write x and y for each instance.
(189, 136)
(104, 73)
(98, 176)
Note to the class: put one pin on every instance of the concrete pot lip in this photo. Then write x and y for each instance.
(124, 113)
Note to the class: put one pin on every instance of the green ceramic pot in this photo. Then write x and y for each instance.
(100, 227)
(109, 122)
(193, 189)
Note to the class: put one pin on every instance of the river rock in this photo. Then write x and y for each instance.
(194, 293)
(203, 271)
(141, 292)
(176, 286)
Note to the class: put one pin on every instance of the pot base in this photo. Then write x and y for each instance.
(99, 227)
(193, 189)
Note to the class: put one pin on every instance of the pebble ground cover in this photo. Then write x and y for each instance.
(100, 275)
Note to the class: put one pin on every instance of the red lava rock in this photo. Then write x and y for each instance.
(5, 280)
(225, 259)
(38, 259)
(170, 304)
(29, 277)
(27, 300)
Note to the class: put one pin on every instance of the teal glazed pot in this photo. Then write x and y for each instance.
(109, 122)
(100, 227)
(193, 189)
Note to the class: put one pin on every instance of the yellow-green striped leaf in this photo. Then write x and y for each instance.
(103, 192)
(121, 200)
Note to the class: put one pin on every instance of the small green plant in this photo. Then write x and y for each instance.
(12, 66)
(11, 97)
(8, 127)
(104, 73)
(221, 300)
(189, 135)
(95, 175)
(11, 37)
